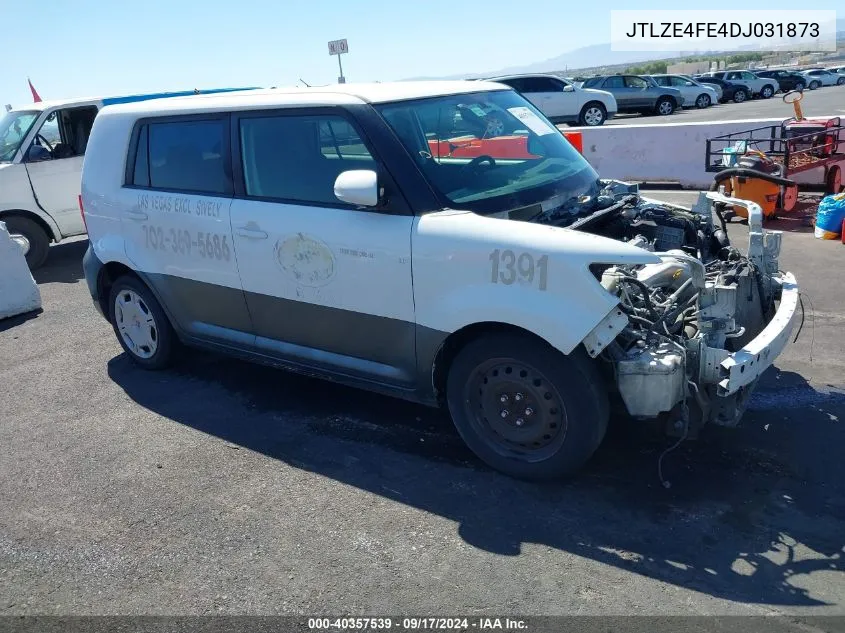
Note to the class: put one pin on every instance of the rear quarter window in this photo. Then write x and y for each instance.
(190, 155)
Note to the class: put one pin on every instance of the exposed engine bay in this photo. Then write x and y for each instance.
(692, 332)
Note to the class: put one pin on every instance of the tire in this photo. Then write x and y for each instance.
(703, 101)
(833, 182)
(594, 112)
(840, 81)
(570, 410)
(150, 340)
(740, 96)
(35, 235)
(767, 91)
(814, 85)
(799, 87)
(665, 106)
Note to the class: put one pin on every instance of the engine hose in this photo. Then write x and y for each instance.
(633, 318)
(752, 173)
(645, 293)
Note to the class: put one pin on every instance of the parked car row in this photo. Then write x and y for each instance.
(597, 99)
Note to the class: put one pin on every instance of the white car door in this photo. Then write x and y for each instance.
(327, 284)
(176, 225)
(551, 98)
(56, 178)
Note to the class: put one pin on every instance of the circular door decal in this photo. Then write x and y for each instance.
(306, 260)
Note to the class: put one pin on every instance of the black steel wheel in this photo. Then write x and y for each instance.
(524, 408)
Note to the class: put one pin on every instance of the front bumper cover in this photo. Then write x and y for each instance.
(742, 368)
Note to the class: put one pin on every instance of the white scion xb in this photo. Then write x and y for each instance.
(383, 236)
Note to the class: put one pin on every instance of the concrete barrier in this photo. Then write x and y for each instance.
(669, 152)
(18, 291)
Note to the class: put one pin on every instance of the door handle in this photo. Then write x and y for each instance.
(252, 233)
(137, 215)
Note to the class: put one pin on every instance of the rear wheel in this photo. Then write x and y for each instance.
(592, 114)
(524, 408)
(799, 87)
(140, 324)
(767, 91)
(665, 106)
(31, 236)
(740, 96)
(840, 81)
(814, 85)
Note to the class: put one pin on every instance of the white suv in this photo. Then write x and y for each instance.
(764, 87)
(561, 100)
(380, 236)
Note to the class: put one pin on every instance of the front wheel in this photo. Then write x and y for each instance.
(592, 115)
(665, 106)
(703, 101)
(840, 81)
(799, 87)
(524, 408)
(140, 324)
(32, 238)
(767, 92)
(740, 96)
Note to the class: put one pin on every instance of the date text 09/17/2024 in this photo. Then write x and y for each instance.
(416, 624)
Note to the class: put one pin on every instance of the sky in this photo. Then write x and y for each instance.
(74, 48)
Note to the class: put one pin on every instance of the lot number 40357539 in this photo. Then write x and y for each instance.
(509, 267)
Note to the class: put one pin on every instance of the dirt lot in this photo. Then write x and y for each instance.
(223, 487)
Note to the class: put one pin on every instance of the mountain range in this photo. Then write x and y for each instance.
(590, 57)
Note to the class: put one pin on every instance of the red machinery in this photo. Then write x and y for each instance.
(760, 163)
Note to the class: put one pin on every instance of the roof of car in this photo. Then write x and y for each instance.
(46, 105)
(522, 75)
(340, 94)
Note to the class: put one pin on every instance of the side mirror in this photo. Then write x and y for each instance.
(569, 88)
(36, 154)
(358, 187)
(688, 83)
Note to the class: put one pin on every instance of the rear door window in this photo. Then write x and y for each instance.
(614, 82)
(189, 156)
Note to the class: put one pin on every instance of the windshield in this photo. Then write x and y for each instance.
(13, 129)
(489, 152)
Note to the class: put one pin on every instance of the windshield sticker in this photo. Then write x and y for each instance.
(534, 123)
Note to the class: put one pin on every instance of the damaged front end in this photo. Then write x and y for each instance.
(692, 334)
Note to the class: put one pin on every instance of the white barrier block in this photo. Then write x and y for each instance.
(18, 291)
(668, 152)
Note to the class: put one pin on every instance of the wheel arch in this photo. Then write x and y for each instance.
(456, 341)
(47, 224)
(109, 273)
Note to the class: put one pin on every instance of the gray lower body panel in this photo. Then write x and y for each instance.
(373, 352)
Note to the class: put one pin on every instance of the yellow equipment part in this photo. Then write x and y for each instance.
(762, 192)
